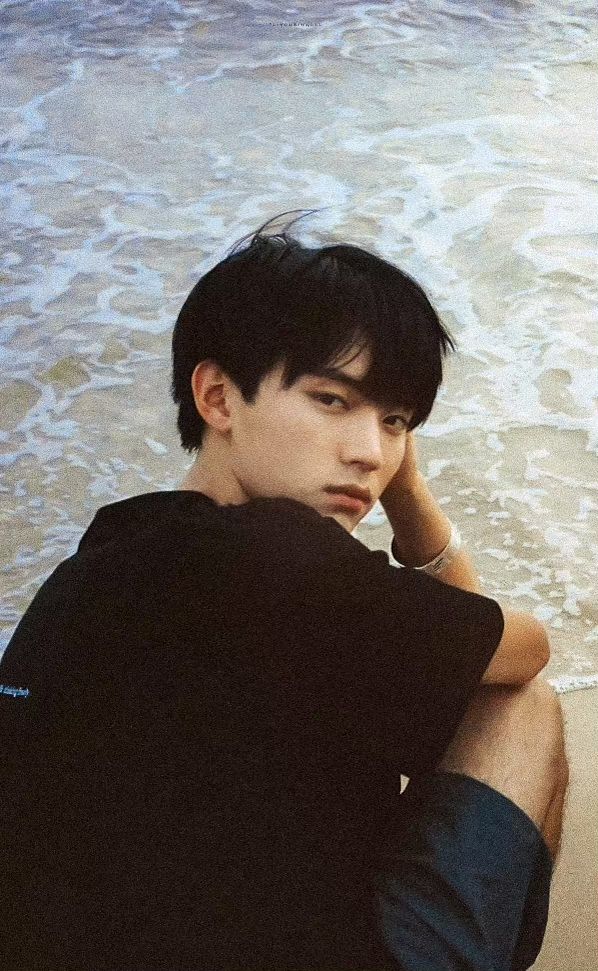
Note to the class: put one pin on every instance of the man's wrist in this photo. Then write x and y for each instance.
(437, 564)
(416, 549)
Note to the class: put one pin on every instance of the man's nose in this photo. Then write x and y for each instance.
(363, 442)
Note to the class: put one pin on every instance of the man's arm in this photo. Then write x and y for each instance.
(421, 531)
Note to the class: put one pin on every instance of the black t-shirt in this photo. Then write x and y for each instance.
(204, 716)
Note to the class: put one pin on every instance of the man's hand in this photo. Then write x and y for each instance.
(407, 480)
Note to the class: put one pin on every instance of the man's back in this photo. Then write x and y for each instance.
(190, 780)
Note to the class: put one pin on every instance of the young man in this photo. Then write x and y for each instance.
(208, 708)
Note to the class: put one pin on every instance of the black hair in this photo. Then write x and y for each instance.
(278, 302)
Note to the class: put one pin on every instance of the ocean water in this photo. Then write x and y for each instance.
(455, 138)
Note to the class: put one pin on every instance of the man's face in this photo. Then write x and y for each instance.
(317, 436)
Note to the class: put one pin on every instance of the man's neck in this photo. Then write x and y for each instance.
(219, 486)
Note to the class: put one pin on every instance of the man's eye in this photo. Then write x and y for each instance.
(400, 419)
(335, 397)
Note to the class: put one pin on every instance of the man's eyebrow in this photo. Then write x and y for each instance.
(356, 384)
(333, 375)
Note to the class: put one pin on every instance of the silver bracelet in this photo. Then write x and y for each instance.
(440, 562)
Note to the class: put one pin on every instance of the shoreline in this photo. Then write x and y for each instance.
(566, 685)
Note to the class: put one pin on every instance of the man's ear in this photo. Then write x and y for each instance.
(212, 391)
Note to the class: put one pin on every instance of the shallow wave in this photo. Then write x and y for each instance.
(141, 139)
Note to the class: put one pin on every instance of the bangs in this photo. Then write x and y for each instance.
(387, 313)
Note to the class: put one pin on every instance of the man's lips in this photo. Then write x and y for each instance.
(354, 492)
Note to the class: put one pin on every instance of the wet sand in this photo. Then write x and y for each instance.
(571, 941)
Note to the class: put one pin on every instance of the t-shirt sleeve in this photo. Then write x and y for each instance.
(387, 657)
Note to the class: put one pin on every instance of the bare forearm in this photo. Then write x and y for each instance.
(421, 531)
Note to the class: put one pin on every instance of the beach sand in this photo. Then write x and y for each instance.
(571, 942)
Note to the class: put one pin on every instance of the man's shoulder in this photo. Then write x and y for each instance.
(143, 516)
(139, 517)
